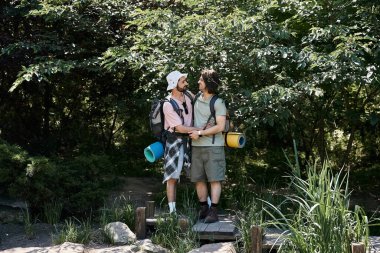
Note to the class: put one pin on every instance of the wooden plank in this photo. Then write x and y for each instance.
(357, 247)
(257, 239)
(212, 227)
(227, 227)
(374, 244)
(199, 227)
(223, 217)
(217, 237)
(140, 225)
(273, 238)
(224, 229)
(151, 221)
(150, 209)
(183, 224)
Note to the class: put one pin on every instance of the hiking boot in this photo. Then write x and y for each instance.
(203, 212)
(212, 215)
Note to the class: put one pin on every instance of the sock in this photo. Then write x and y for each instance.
(203, 203)
(214, 205)
(172, 207)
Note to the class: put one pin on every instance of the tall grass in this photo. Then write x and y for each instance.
(28, 225)
(168, 232)
(251, 215)
(187, 202)
(251, 211)
(322, 220)
(170, 235)
(122, 209)
(73, 231)
(52, 212)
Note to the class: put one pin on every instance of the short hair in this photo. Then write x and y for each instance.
(211, 79)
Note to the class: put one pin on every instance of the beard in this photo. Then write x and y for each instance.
(181, 89)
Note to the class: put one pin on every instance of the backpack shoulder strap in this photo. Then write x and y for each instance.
(212, 105)
(196, 97)
(212, 110)
(176, 108)
(195, 100)
(189, 96)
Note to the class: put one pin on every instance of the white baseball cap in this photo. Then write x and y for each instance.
(173, 78)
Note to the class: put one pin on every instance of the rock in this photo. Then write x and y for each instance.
(26, 250)
(11, 215)
(120, 233)
(12, 210)
(148, 247)
(66, 247)
(224, 247)
(119, 249)
(69, 247)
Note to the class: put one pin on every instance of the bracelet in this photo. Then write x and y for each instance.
(199, 134)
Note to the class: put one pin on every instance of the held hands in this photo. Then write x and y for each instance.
(195, 134)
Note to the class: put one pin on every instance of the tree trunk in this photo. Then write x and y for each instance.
(321, 142)
(346, 155)
(47, 102)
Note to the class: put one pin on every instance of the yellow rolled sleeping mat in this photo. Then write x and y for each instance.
(234, 139)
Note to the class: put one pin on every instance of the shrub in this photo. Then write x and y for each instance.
(79, 184)
(322, 221)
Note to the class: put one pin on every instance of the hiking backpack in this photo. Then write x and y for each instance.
(157, 116)
(227, 125)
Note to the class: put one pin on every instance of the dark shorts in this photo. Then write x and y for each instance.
(208, 164)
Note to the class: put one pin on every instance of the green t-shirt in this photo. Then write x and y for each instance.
(201, 114)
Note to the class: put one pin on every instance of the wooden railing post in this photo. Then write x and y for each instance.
(357, 247)
(140, 223)
(149, 209)
(257, 239)
(183, 224)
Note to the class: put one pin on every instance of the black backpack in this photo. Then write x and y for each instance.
(227, 125)
(157, 116)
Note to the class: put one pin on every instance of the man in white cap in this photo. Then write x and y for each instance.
(178, 123)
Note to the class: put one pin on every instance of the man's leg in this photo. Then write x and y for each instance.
(202, 193)
(171, 193)
(216, 189)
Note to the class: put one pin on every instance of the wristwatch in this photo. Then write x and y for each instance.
(199, 134)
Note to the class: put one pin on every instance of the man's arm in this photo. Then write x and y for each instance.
(185, 129)
(219, 127)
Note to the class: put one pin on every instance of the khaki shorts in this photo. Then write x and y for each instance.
(208, 164)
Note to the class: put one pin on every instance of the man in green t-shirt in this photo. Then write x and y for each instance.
(208, 158)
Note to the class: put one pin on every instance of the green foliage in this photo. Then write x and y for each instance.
(170, 235)
(187, 200)
(322, 220)
(121, 210)
(288, 68)
(78, 77)
(53, 212)
(82, 182)
(13, 160)
(252, 215)
(74, 231)
(28, 224)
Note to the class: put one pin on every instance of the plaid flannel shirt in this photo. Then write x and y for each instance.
(172, 153)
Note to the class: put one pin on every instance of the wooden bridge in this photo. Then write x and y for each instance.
(263, 240)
